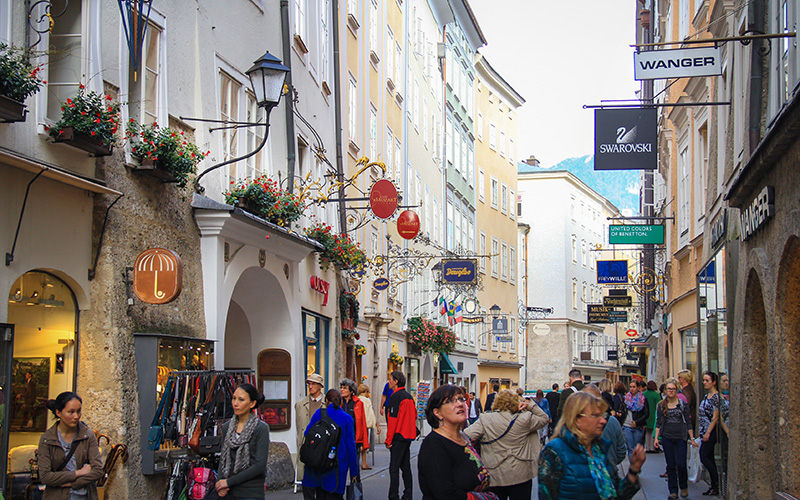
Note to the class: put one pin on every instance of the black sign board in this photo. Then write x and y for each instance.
(632, 356)
(618, 291)
(626, 139)
(597, 313)
(613, 355)
(618, 301)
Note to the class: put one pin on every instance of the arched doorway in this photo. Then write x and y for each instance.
(44, 313)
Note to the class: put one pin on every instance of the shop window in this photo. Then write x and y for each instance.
(275, 382)
(315, 332)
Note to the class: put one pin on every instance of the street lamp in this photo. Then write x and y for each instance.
(495, 310)
(267, 77)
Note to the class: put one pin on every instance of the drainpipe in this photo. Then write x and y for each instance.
(755, 12)
(337, 109)
(287, 61)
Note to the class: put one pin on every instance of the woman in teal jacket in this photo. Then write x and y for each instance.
(331, 484)
(575, 466)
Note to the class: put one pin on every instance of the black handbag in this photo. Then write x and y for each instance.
(210, 445)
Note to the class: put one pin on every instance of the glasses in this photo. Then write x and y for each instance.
(456, 401)
(593, 415)
(672, 389)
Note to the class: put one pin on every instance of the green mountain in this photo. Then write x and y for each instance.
(620, 187)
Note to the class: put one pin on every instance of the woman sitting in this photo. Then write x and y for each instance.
(575, 464)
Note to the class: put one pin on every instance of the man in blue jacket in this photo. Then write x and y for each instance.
(402, 430)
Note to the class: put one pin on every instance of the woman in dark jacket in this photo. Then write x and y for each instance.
(575, 464)
(245, 448)
(618, 400)
(634, 416)
(330, 485)
(76, 478)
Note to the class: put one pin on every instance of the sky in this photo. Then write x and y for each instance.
(560, 55)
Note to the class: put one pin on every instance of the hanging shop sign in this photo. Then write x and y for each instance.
(597, 313)
(460, 271)
(380, 284)
(618, 301)
(612, 272)
(408, 224)
(631, 333)
(626, 139)
(472, 319)
(636, 234)
(618, 316)
(719, 227)
(157, 276)
(677, 63)
(760, 211)
(383, 199)
(499, 326)
(613, 355)
(618, 292)
(708, 275)
(321, 286)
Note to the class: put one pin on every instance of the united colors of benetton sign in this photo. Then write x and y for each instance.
(626, 139)
(677, 63)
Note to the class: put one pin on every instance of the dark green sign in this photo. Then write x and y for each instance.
(618, 316)
(636, 234)
(618, 301)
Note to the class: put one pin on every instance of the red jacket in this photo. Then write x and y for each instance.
(402, 416)
(362, 437)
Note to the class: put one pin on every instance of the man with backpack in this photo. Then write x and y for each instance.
(303, 410)
(401, 431)
(575, 385)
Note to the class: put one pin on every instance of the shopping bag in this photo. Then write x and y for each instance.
(693, 462)
(355, 491)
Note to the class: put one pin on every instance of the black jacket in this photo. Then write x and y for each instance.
(640, 417)
(578, 385)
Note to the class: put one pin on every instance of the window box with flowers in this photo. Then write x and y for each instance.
(361, 350)
(18, 80)
(339, 250)
(265, 198)
(348, 310)
(163, 153)
(430, 337)
(396, 358)
(89, 122)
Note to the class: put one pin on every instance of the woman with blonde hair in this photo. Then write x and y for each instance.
(510, 443)
(574, 465)
(672, 432)
(687, 394)
(372, 422)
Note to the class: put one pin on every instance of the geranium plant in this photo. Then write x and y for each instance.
(339, 249)
(19, 79)
(268, 199)
(95, 115)
(166, 147)
(348, 307)
(429, 336)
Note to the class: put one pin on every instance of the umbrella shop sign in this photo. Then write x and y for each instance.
(625, 139)
(383, 199)
(612, 272)
(677, 63)
(157, 276)
(460, 272)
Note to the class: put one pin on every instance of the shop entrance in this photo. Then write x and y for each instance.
(37, 359)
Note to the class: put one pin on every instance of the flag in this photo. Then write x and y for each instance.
(444, 306)
(458, 317)
(451, 320)
(451, 308)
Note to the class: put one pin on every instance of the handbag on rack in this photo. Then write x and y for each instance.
(202, 417)
(156, 435)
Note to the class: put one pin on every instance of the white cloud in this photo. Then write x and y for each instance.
(633, 188)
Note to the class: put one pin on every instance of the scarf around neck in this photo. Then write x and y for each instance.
(634, 403)
(240, 444)
(599, 471)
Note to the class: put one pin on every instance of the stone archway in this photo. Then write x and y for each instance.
(751, 447)
(787, 336)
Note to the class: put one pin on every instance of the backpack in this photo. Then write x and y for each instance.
(202, 481)
(318, 451)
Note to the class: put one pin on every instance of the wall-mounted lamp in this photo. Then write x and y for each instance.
(495, 310)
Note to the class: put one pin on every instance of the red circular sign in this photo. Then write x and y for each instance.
(383, 200)
(631, 333)
(408, 224)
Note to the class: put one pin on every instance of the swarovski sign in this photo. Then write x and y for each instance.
(625, 139)
(677, 63)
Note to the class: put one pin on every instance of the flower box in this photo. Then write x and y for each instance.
(71, 137)
(11, 110)
(155, 169)
(249, 206)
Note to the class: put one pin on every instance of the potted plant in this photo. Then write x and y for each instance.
(428, 336)
(348, 309)
(89, 121)
(396, 358)
(361, 350)
(163, 152)
(265, 198)
(19, 79)
(339, 250)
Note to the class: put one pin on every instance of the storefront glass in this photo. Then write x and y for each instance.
(315, 332)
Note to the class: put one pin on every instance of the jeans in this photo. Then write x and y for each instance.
(675, 453)
(400, 459)
(327, 495)
(632, 437)
(707, 459)
(309, 493)
(521, 491)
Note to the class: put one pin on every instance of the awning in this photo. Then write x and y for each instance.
(445, 365)
(73, 179)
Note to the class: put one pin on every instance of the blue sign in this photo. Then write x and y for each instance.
(612, 272)
(380, 284)
(709, 274)
(500, 326)
(460, 272)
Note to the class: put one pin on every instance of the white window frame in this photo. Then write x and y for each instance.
(373, 132)
(495, 257)
(574, 249)
(512, 204)
(512, 262)
(483, 252)
(390, 54)
(504, 261)
(479, 126)
(352, 93)
(574, 294)
(494, 191)
(481, 185)
(492, 136)
(373, 26)
(300, 29)
(503, 199)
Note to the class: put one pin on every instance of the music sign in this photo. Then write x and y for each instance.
(597, 313)
(460, 271)
(612, 272)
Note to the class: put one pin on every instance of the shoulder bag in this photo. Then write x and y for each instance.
(157, 428)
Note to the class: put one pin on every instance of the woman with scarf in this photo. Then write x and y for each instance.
(245, 448)
(634, 416)
(575, 465)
